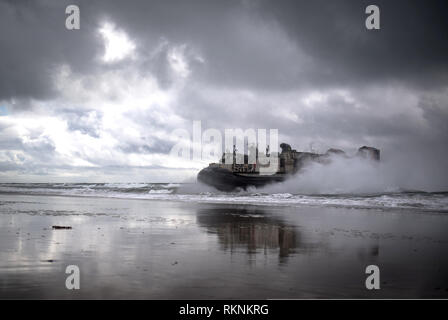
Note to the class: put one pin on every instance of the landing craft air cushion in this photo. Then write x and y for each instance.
(227, 176)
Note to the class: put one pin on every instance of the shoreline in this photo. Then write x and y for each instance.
(410, 210)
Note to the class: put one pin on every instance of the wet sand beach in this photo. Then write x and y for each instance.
(152, 249)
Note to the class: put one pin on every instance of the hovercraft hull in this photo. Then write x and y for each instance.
(226, 180)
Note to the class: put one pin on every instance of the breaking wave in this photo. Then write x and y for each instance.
(274, 195)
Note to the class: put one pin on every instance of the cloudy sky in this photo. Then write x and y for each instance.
(101, 103)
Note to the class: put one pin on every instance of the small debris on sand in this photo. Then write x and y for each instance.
(61, 227)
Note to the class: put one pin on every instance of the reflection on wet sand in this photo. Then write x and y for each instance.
(174, 250)
(252, 229)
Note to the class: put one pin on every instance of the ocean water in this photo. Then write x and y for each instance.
(436, 202)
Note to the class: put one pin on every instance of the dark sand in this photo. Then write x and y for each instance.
(164, 250)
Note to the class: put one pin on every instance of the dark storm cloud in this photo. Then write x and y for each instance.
(34, 42)
(244, 46)
(412, 44)
(240, 40)
(239, 47)
(227, 33)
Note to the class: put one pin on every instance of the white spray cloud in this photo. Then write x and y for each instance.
(360, 176)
